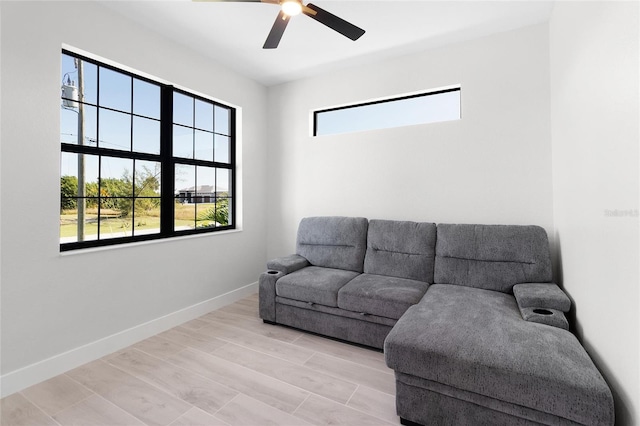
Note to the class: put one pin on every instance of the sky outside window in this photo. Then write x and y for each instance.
(408, 111)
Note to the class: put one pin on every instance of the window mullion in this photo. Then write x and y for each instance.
(232, 157)
(168, 169)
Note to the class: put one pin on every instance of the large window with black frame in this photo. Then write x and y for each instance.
(140, 159)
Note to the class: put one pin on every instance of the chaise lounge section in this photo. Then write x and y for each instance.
(467, 314)
(465, 355)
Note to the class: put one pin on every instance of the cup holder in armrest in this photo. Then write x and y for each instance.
(549, 316)
(272, 272)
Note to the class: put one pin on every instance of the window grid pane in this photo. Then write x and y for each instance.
(203, 189)
(111, 139)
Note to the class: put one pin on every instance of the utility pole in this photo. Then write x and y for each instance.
(82, 190)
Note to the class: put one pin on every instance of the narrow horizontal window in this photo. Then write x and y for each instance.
(431, 107)
(140, 159)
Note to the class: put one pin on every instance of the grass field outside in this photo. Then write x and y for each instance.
(112, 221)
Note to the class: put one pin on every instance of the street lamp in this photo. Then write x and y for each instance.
(72, 98)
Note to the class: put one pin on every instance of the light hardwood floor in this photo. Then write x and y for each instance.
(224, 368)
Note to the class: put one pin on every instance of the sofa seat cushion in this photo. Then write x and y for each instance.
(380, 295)
(314, 284)
(476, 340)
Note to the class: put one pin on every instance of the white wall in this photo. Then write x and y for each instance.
(54, 303)
(594, 113)
(493, 166)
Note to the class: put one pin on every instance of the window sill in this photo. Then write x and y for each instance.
(146, 243)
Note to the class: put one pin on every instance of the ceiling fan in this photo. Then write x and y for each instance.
(291, 8)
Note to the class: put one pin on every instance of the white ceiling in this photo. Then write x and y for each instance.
(233, 32)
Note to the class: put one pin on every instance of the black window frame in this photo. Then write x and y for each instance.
(165, 158)
(381, 101)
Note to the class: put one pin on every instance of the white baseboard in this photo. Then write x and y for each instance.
(43, 370)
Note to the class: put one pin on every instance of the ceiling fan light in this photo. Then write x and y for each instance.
(292, 7)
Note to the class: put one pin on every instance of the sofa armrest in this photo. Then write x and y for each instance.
(267, 294)
(541, 295)
(288, 264)
(552, 317)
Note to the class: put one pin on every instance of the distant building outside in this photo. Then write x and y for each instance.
(200, 194)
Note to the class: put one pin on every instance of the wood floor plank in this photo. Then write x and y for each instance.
(197, 417)
(236, 318)
(116, 353)
(16, 410)
(96, 411)
(251, 340)
(251, 302)
(158, 347)
(354, 372)
(284, 334)
(363, 356)
(192, 339)
(261, 387)
(194, 324)
(322, 411)
(376, 403)
(249, 311)
(303, 377)
(56, 394)
(253, 297)
(203, 393)
(246, 411)
(135, 396)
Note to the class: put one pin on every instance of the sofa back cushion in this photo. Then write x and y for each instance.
(492, 257)
(401, 249)
(333, 241)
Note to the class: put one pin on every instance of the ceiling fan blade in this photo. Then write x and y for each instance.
(240, 1)
(273, 39)
(345, 28)
(220, 1)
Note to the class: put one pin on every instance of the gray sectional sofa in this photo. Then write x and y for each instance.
(467, 315)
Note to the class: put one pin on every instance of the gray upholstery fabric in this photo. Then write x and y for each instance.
(288, 264)
(493, 257)
(541, 295)
(447, 406)
(267, 294)
(463, 355)
(546, 316)
(336, 311)
(518, 411)
(401, 249)
(341, 327)
(314, 284)
(380, 295)
(477, 341)
(333, 242)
